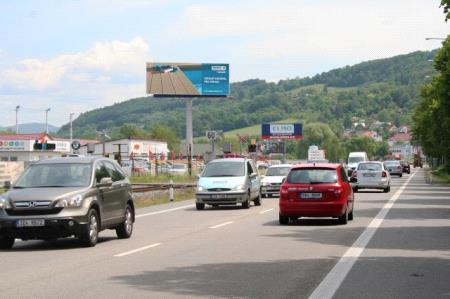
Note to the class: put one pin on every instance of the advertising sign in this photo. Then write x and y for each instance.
(16, 145)
(188, 80)
(282, 131)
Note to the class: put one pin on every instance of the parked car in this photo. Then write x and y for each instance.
(316, 190)
(271, 182)
(353, 159)
(371, 175)
(65, 197)
(229, 181)
(178, 169)
(406, 167)
(394, 167)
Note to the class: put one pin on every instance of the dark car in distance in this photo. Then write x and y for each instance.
(64, 197)
(316, 190)
(406, 168)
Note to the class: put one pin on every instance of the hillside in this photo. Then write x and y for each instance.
(29, 128)
(385, 90)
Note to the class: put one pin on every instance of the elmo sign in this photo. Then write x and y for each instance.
(282, 131)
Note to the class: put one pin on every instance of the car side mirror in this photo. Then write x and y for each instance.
(283, 180)
(199, 176)
(105, 182)
(7, 185)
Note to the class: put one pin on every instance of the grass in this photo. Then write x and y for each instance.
(147, 199)
(439, 176)
(162, 178)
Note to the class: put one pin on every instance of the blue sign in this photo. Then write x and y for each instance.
(281, 131)
(188, 80)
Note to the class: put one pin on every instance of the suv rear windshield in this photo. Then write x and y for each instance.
(355, 159)
(55, 175)
(278, 171)
(369, 166)
(312, 176)
(223, 169)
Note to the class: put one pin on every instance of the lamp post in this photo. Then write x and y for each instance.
(17, 122)
(46, 120)
(71, 129)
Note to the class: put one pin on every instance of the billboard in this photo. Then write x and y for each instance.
(281, 131)
(188, 80)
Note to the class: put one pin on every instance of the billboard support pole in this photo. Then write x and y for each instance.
(189, 134)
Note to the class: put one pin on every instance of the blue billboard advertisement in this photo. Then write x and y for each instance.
(281, 131)
(188, 80)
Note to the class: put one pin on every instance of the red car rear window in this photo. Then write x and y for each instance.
(312, 176)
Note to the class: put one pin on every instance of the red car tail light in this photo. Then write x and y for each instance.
(383, 174)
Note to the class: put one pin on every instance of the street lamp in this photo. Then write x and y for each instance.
(71, 129)
(46, 119)
(17, 122)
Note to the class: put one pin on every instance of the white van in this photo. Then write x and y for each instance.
(354, 158)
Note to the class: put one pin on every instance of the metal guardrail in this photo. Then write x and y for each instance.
(146, 187)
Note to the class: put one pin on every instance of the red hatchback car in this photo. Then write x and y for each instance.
(316, 190)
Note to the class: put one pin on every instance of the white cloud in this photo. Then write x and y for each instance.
(109, 59)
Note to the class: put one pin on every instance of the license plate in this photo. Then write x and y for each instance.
(310, 195)
(30, 223)
(216, 196)
(370, 175)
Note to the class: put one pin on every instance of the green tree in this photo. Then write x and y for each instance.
(161, 132)
(446, 5)
(432, 117)
(132, 131)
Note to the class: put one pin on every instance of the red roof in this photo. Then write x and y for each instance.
(401, 137)
(35, 136)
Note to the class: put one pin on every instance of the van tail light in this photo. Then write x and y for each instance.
(383, 174)
(399, 167)
(284, 192)
(354, 173)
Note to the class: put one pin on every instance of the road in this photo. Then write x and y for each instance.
(398, 246)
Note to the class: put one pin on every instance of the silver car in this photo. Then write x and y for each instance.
(229, 182)
(394, 167)
(65, 197)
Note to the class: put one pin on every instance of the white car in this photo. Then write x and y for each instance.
(371, 175)
(271, 182)
(178, 169)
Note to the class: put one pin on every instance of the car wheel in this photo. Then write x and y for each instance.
(6, 242)
(246, 203)
(89, 236)
(350, 215)
(387, 189)
(125, 230)
(200, 206)
(258, 200)
(344, 218)
(283, 220)
(355, 189)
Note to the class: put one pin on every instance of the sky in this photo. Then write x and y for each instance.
(77, 55)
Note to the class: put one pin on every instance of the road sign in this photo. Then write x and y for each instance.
(188, 79)
(211, 135)
(75, 145)
(282, 131)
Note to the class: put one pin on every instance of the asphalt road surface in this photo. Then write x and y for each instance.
(398, 246)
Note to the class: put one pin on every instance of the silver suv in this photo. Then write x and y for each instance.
(229, 182)
(65, 197)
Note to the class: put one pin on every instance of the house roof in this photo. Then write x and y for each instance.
(401, 137)
(34, 136)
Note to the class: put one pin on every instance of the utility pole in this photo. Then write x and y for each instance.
(17, 121)
(71, 129)
(46, 120)
(189, 133)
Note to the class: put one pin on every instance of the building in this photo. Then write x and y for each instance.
(372, 134)
(129, 151)
(31, 147)
(400, 144)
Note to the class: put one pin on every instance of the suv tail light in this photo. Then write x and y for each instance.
(399, 167)
(383, 174)
(354, 173)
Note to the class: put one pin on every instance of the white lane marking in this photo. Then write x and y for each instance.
(220, 225)
(137, 250)
(331, 283)
(265, 211)
(164, 211)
